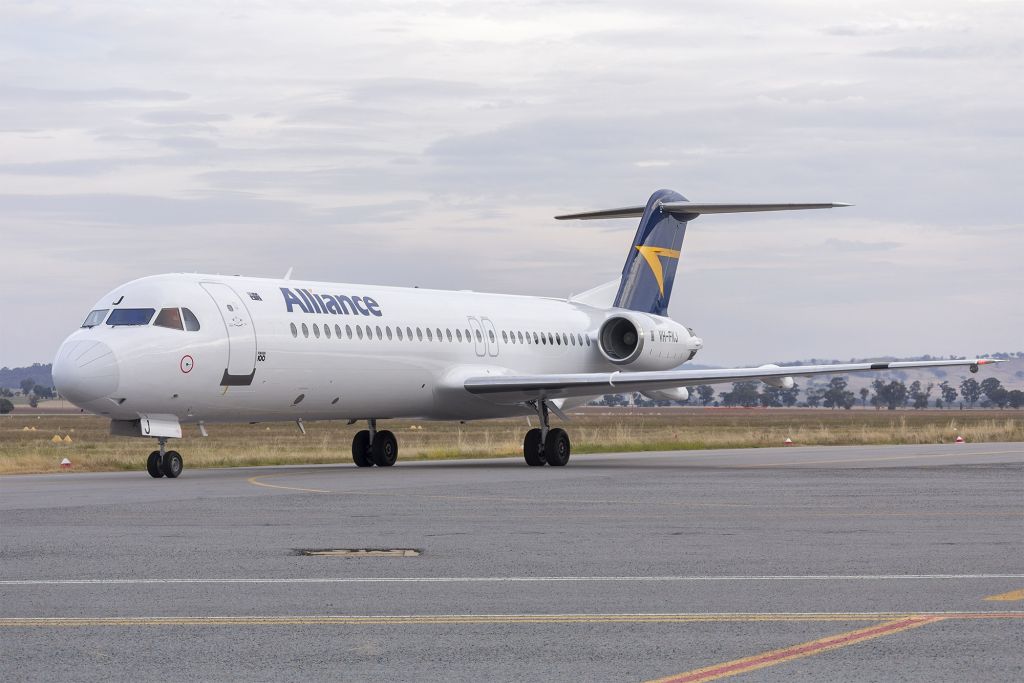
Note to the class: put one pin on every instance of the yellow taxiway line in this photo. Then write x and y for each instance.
(788, 654)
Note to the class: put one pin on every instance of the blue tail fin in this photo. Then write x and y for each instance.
(651, 263)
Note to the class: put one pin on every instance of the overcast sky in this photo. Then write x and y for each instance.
(431, 143)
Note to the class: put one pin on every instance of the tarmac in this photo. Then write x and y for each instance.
(844, 563)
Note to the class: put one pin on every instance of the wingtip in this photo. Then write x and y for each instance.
(839, 205)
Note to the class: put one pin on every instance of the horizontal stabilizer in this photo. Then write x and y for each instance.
(694, 209)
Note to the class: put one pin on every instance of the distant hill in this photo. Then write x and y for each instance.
(42, 374)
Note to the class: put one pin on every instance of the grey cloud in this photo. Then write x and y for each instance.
(415, 88)
(857, 245)
(21, 94)
(140, 211)
(179, 116)
(187, 143)
(939, 52)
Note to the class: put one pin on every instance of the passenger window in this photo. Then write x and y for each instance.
(398, 332)
(316, 330)
(520, 335)
(387, 331)
(408, 333)
(130, 316)
(295, 330)
(479, 337)
(337, 331)
(305, 330)
(170, 318)
(530, 339)
(490, 335)
(588, 340)
(95, 317)
(504, 336)
(419, 334)
(543, 339)
(440, 337)
(429, 338)
(369, 333)
(468, 337)
(551, 339)
(380, 335)
(565, 339)
(448, 333)
(191, 321)
(572, 338)
(458, 334)
(348, 331)
(327, 331)
(359, 332)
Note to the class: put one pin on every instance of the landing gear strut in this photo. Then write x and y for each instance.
(370, 447)
(546, 445)
(164, 463)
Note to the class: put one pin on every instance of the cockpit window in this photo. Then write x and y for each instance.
(130, 316)
(191, 321)
(169, 317)
(95, 317)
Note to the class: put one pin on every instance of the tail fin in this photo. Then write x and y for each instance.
(651, 263)
(650, 267)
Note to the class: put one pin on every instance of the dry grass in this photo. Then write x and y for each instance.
(592, 431)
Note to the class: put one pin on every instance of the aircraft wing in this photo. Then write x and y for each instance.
(510, 389)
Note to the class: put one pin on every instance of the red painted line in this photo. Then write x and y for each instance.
(798, 651)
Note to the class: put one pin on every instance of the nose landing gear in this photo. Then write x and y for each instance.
(546, 446)
(370, 447)
(164, 463)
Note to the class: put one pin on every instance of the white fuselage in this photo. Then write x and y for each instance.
(357, 351)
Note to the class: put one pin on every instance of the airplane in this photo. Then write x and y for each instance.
(168, 350)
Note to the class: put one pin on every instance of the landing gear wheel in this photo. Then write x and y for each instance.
(361, 449)
(533, 449)
(556, 447)
(385, 449)
(153, 465)
(171, 464)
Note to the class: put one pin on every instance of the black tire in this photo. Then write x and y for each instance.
(361, 449)
(153, 465)
(557, 447)
(385, 449)
(533, 449)
(171, 464)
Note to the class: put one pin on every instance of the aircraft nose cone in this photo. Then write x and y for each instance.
(85, 370)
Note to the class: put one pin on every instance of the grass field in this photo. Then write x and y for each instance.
(25, 440)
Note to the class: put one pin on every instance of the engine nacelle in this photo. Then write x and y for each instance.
(777, 382)
(681, 394)
(646, 342)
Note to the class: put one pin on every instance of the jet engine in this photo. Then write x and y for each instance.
(646, 342)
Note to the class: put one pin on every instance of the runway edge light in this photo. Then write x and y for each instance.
(65, 464)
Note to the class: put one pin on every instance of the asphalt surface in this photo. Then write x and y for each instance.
(876, 561)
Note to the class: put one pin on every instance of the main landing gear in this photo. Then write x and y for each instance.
(370, 447)
(546, 446)
(164, 463)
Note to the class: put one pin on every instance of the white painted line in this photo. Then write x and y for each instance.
(504, 579)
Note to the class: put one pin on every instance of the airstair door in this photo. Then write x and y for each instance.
(241, 365)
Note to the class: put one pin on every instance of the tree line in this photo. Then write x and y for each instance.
(30, 389)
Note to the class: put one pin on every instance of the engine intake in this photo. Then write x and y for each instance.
(620, 340)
